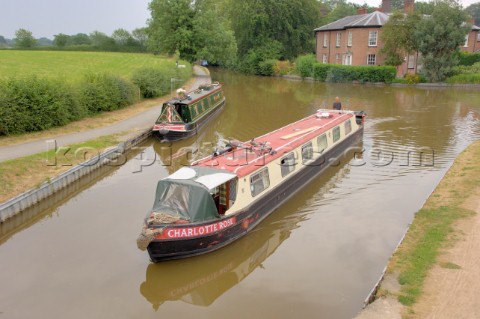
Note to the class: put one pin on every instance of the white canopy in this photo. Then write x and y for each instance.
(213, 180)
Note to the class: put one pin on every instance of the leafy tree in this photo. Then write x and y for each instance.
(439, 37)
(122, 37)
(61, 40)
(397, 37)
(102, 41)
(79, 39)
(171, 28)
(424, 7)
(215, 42)
(141, 36)
(340, 9)
(24, 39)
(474, 11)
(44, 42)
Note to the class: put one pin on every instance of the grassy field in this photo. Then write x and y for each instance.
(73, 65)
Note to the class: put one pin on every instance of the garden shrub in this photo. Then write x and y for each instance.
(151, 82)
(282, 67)
(467, 58)
(464, 79)
(346, 73)
(304, 65)
(267, 67)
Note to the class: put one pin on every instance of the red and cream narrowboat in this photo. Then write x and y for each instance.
(186, 114)
(221, 198)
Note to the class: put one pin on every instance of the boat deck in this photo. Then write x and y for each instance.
(248, 156)
(197, 94)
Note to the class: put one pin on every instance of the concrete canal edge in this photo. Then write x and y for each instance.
(18, 204)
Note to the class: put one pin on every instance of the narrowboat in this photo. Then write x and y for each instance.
(222, 197)
(184, 116)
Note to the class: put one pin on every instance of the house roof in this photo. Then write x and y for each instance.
(374, 19)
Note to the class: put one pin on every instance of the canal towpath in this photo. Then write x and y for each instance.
(139, 122)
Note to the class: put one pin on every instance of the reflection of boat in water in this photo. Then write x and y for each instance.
(185, 115)
(224, 196)
(204, 279)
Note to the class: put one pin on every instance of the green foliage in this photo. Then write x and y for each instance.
(340, 9)
(102, 41)
(100, 92)
(24, 39)
(345, 73)
(397, 37)
(304, 65)
(151, 82)
(60, 40)
(270, 50)
(33, 104)
(474, 11)
(438, 38)
(464, 79)
(267, 67)
(467, 58)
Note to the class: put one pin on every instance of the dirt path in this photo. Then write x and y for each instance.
(139, 121)
(452, 288)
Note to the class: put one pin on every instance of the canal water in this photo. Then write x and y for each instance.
(317, 256)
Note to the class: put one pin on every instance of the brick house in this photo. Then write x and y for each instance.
(355, 40)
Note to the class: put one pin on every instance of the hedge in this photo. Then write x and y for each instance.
(464, 79)
(346, 73)
(467, 59)
(33, 104)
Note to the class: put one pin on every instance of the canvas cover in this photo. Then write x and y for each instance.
(186, 199)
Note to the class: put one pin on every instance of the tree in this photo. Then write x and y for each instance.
(171, 28)
(397, 37)
(102, 41)
(79, 39)
(474, 11)
(3, 41)
(215, 42)
(122, 37)
(424, 7)
(24, 39)
(141, 36)
(439, 37)
(341, 9)
(60, 40)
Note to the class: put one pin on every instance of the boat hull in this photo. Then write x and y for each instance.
(189, 130)
(191, 242)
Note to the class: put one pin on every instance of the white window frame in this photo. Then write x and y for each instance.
(325, 39)
(324, 58)
(350, 39)
(339, 38)
(466, 40)
(372, 38)
(374, 59)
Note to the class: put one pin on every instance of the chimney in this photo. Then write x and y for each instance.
(386, 6)
(362, 10)
(408, 6)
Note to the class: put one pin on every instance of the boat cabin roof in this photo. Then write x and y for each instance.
(250, 156)
(198, 94)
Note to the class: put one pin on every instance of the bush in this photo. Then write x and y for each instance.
(104, 92)
(304, 65)
(151, 82)
(282, 67)
(412, 78)
(344, 73)
(32, 104)
(472, 69)
(464, 79)
(466, 58)
(266, 67)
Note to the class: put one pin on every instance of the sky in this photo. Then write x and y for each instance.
(46, 18)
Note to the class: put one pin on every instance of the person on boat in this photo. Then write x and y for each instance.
(337, 105)
(182, 93)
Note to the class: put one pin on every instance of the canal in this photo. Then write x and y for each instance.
(317, 256)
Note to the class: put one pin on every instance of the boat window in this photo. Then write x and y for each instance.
(348, 127)
(287, 164)
(322, 143)
(259, 182)
(336, 133)
(307, 152)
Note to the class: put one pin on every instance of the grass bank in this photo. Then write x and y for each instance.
(432, 230)
(72, 66)
(21, 174)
